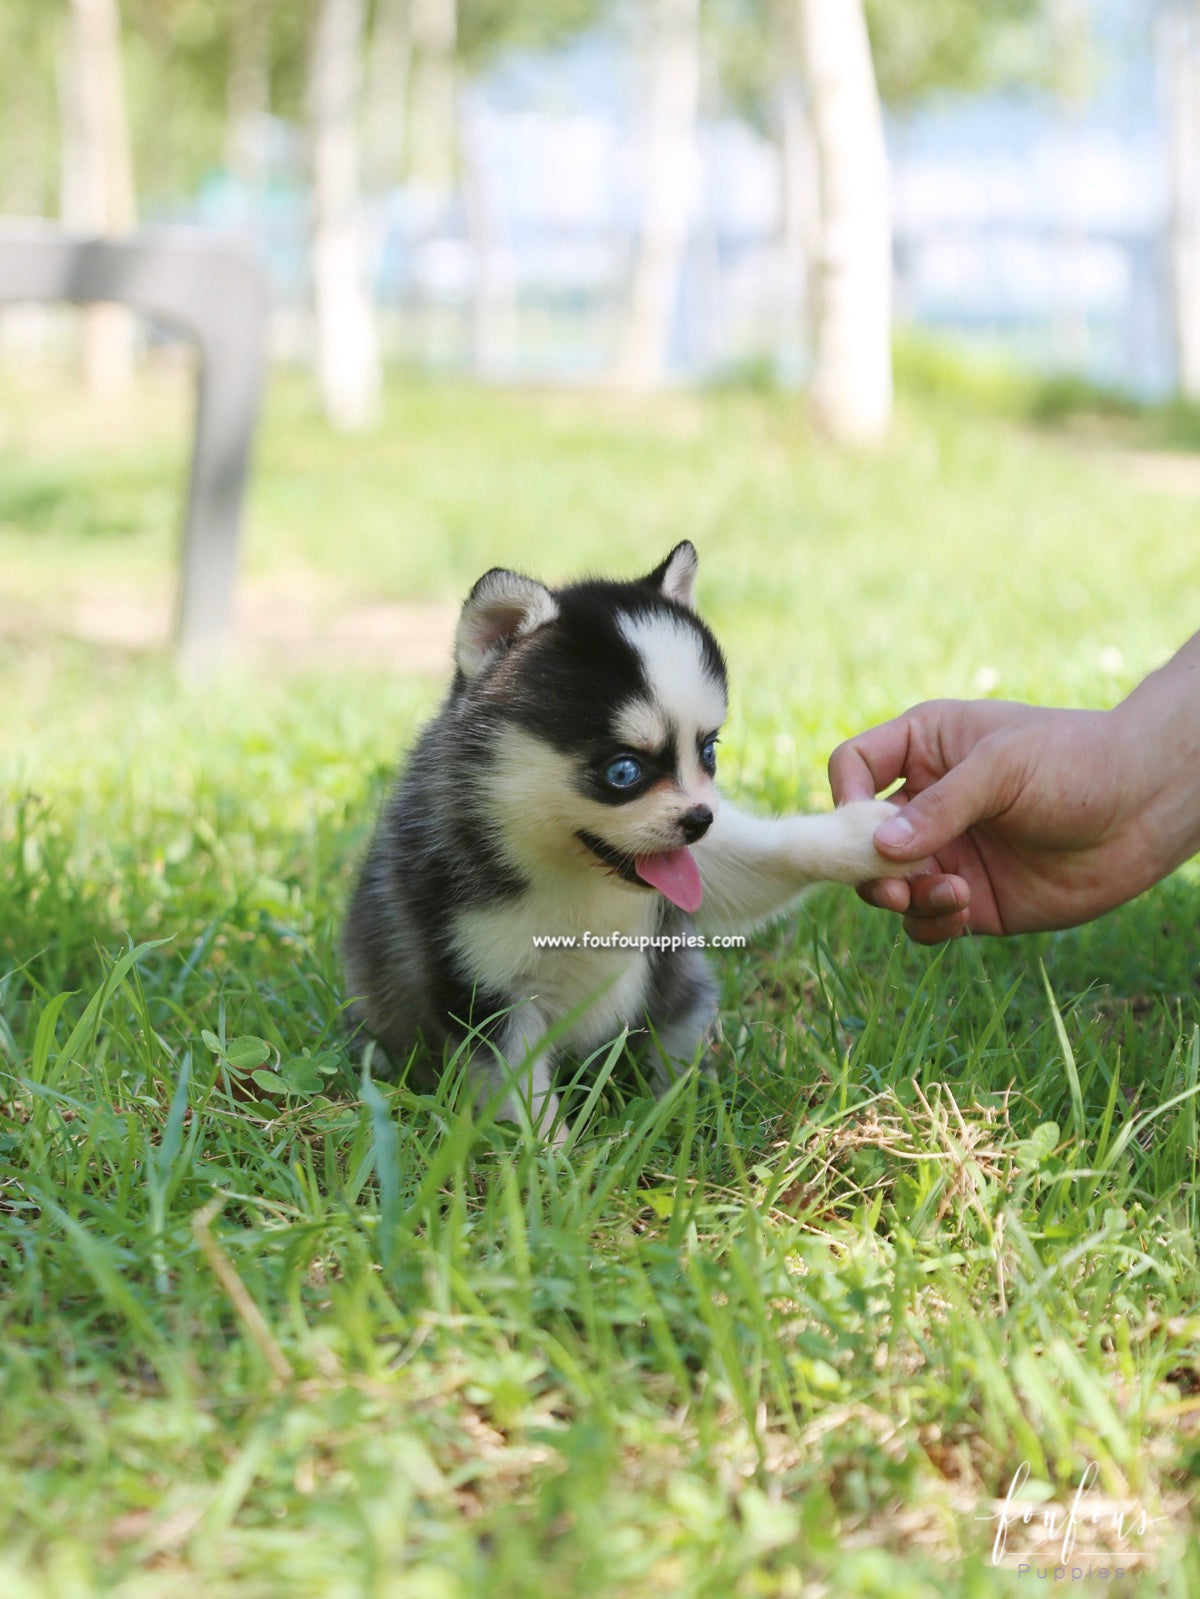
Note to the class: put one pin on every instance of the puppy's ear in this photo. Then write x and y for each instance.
(502, 606)
(676, 577)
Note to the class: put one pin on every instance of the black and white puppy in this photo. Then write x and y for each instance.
(566, 789)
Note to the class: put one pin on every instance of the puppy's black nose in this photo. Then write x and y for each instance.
(695, 823)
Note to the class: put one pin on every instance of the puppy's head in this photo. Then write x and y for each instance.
(607, 698)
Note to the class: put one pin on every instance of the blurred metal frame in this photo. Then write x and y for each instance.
(211, 290)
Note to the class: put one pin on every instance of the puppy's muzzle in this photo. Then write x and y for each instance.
(695, 823)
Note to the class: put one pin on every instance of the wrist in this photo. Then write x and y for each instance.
(1156, 740)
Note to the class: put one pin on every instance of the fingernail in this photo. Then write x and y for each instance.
(896, 833)
(943, 898)
(886, 897)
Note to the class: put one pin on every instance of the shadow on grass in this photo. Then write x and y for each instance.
(1146, 947)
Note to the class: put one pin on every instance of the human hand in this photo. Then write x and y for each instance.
(1031, 818)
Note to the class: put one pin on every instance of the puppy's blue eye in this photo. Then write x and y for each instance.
(624, 772)
(708, 755)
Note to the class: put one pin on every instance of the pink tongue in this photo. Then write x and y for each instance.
(675, 874)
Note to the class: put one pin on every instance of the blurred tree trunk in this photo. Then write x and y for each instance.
(797, 192)
(852, 271)
(671, 163)
(494, 300)
(798, 211)
(249, 95)
(348, 360)
(1070, 30)
(385, 97)
(97, 173)
(1179, 43)
(432, 127)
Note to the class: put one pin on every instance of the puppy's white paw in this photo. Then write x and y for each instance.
(860, 818)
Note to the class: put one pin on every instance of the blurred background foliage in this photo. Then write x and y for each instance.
(644, 192)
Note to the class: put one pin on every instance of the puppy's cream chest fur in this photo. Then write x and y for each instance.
(496, 943)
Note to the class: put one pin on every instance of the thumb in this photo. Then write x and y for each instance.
(932, 819)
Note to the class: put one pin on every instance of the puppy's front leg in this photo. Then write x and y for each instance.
(753, 867)
(515, 1072)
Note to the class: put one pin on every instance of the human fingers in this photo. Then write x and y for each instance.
(937, 895)
(936, 929)
(973, 791)
(928, 897)
(938, 908)
(865, 765)
(886, 894)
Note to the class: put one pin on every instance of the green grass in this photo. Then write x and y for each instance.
(266, 1329)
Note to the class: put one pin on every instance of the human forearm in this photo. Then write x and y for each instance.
(1157, 731)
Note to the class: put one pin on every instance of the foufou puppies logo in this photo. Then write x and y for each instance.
(1057, 1531)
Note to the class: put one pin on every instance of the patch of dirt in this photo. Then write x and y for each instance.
(291, 623)
(1161, 471)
